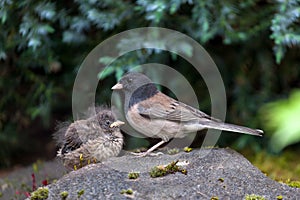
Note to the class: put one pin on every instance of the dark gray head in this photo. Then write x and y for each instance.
(136, 87)
(132, 81)
(105, 118)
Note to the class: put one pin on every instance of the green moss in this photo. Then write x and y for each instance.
(80, 193)
(295, 184)
(277, 167)
(159, 171)
(279, 197)
(214, 198)
(64, 195)
(254, 197)
(221, 180)
(40, 194)
(184, 171)
(36, 166)
(128, 191)
(133, 175)
(173, 151)
(187, 149)
(1, 194)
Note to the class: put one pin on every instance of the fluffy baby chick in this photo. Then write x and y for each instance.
(91, 140)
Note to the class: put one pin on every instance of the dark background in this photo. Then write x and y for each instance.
(254, 43)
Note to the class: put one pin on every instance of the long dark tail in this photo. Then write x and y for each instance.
(233, 128)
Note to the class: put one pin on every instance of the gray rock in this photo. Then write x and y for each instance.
(211, 172)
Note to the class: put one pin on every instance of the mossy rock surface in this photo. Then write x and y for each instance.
(205, 170)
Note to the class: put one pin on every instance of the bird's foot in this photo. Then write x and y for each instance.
(150, 151)
(143, 154)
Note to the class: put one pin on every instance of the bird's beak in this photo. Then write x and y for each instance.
(116, 124)
(118, 86)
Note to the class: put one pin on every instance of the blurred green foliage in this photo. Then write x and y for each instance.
(280, 167)
(282, 119)
(42, 44)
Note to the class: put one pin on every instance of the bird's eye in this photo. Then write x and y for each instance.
(107, 122)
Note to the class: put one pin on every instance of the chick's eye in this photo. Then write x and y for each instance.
(107, 122)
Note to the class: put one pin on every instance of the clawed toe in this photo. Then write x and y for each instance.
(143, 154)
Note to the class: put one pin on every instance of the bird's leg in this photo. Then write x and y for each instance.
(149, 151)
(155, 146)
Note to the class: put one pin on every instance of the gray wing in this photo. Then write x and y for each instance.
(72, 140)
(167, 108)
(170, 109)
(80, 132)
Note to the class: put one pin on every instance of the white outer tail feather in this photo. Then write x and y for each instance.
(233, 128)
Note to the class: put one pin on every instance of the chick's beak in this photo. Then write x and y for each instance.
(116, 124)
(118, 86)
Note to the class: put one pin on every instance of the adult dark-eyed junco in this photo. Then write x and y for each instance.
(155, 114)
(91, 140)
